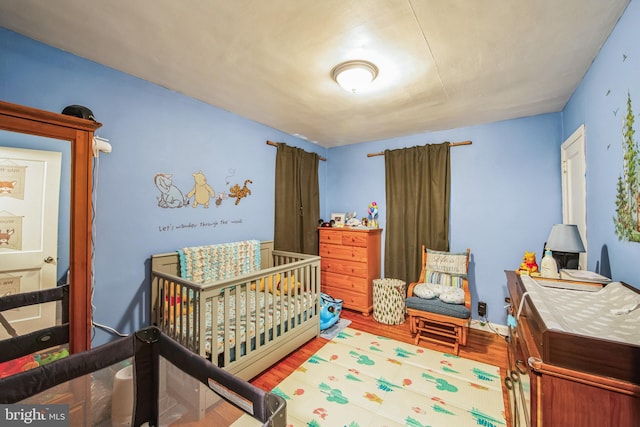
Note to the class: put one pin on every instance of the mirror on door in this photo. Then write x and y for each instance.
(34, 225)
(46, 218)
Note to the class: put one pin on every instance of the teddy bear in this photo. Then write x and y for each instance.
(529, 265)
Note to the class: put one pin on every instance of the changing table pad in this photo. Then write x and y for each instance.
(588, 313)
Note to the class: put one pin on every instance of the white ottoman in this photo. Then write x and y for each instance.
(388, 301)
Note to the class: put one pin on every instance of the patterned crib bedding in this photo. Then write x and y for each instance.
(276, 306)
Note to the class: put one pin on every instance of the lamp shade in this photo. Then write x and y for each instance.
(565, 238)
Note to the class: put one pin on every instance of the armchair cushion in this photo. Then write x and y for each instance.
(443, 279)
(427, 290)
(453, 295)
(449, 294)
(438, 306)
(453, 263)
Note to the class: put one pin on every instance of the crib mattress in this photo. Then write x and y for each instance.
(264, 318)
(261, 319)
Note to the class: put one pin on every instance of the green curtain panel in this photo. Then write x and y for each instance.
(297, 207)
(418, 193)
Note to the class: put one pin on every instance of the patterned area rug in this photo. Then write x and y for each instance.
(360, 379)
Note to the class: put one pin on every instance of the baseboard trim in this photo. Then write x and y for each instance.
(485, 326)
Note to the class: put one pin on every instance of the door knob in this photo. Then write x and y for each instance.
(49, 260)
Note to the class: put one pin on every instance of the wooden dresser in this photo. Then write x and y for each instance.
(570, 381)
(350, 260)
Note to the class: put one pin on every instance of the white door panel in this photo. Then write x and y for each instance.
(574, 186)
(29, 199)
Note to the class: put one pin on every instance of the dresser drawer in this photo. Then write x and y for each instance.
(350, 298)
(328, 235)
(354, 239)
(347, 238)
(349, 253)
(356, 284)
(338, 266)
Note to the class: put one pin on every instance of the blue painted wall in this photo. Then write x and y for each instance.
(506, 190)
(505, 193)
(600, 102)
(152, 130)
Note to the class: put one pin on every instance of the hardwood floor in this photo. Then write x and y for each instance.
(482, 346)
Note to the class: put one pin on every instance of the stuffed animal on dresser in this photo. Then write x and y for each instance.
(529, 265)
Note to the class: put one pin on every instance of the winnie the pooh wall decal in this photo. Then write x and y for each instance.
(201, 191)
(627, 215)
(170, 195)
(240, 193)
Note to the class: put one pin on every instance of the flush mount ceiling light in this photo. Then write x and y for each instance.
(354, 76)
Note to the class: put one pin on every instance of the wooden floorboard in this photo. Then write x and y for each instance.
(482, 346)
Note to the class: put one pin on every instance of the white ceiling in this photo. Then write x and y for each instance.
(443, 63)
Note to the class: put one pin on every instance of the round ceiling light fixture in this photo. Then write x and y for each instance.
(354, 76)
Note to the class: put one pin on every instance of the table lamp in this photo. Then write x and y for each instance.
(565, 244)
